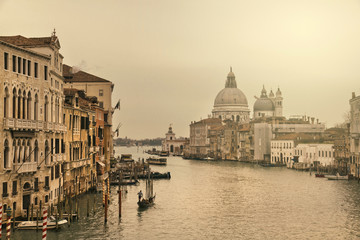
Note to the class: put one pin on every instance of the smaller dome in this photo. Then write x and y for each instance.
(278, 93)
(264, 104)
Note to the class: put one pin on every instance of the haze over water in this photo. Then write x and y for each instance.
(225, 200)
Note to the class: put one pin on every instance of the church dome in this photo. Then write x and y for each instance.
(264, 104)
(230, 96)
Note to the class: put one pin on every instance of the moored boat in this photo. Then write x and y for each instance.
(319, 175)
(164, 154)
(337, 177)
(156, 161)
(31, 225)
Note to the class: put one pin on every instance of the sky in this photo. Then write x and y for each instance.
(168, 59)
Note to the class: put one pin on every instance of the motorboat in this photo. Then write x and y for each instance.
(156, 161)
(337, 177)
(31, 225)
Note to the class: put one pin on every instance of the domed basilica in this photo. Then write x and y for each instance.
(268, 106)
(231, 102)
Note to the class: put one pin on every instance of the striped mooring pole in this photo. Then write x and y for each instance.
(44, 228)
(8, 228)
(103, 188)
(1, 211)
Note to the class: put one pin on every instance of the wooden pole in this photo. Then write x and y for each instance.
(106, 207)
(13, 227)
(94, 207)
(119, 202)
(37, 219)
(57, 220)
(119, 196)
(32, 212)
(77, 210)
(87, 206)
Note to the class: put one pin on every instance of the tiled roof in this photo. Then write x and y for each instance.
(80, 76)
(27, 42)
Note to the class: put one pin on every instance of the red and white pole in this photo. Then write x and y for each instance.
(1, 210)
(8, 228)
(44, 228)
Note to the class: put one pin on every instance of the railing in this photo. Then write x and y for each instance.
(9, 123)
(75, 164)
(25, 167)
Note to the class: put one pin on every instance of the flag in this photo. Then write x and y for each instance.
(117, 106)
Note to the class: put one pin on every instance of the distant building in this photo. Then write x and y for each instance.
(355, 132)
(268, 106)
(231, 102)
(271, 128)
(172, 145)
(199, 146)
(315, 152)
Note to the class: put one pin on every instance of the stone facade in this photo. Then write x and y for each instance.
(199, 146)
(173, 145)
(102, 89)
(32, 130)
(355, 133)
(311, 153)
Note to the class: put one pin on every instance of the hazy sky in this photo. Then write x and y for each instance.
(169, 59)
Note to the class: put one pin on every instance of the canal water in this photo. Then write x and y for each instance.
(223, 200)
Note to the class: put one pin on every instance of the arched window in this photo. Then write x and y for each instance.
(232, 117)
(24, 106)
(6, 154)
(6, 103)
(47, 152)
(19, 150)
(51, 116)
(19, 108)
(24, 151)
(29, 101)
(46, 106)
(14, 151)
(28, 152)
(14, 103)
(237, 118)
(36, 106)
(36, 151)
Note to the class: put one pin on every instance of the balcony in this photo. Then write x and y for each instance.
(75, 164)
(97, 149)
(91, 149)
(102, 158)
(26, 167)
(9, 123)
(14, 123)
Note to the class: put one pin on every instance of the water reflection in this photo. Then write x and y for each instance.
(223, 200)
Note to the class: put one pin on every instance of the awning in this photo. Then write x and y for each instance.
(101, 164)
